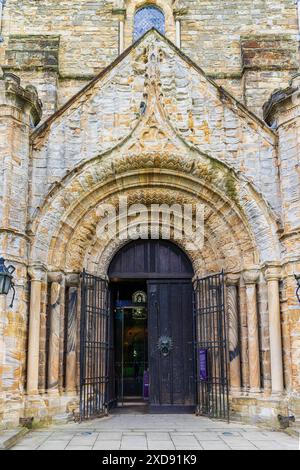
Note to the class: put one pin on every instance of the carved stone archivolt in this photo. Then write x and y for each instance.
(93, 185)
(223, 238)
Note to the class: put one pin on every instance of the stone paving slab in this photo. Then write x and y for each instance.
(161, 445)
(156, 432)
(107, 445)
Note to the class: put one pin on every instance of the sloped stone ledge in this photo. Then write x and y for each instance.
(10, 437)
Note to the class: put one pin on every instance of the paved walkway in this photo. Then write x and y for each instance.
(155, 432)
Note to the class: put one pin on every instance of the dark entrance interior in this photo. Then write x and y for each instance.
(152, 326)
(130, 340)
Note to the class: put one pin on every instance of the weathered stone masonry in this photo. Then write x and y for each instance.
(159, 124)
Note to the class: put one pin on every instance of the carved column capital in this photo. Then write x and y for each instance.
(73, 280)
(119, 9)
(251, 276)
(272, 272)
(55, 277)
(232, 279)
(37, 273)
(179, 9)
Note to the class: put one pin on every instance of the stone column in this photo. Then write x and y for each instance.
(121, 36)
(54, 335)
(232, 283)
(178, 33)
(20, 109)
(298, 8)
(2, 350)
(2, 343)
(265, 364)
(272, 275)
(37, 276)
(120, 11)
(72, 282)
(244, 335)
(250, 279)
(2, 4)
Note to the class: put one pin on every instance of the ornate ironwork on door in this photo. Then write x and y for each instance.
(211, 347)
(94, 346)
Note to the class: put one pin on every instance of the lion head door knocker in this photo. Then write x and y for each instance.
(165, 345)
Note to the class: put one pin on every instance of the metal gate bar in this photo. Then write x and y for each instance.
(94, 346)
(211, 347)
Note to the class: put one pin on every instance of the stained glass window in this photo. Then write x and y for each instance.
(147, 18)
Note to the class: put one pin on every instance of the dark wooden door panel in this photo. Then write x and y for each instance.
(171, 316)
(150, 259)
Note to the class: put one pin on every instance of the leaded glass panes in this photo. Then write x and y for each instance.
(147, 18)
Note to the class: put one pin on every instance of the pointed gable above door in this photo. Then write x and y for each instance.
(153, 99)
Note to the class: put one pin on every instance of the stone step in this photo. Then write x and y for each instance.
(10, 437)
(294, 429)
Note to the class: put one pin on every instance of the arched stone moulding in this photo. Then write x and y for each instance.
(73, 204)
(170, 196)
(87, 222)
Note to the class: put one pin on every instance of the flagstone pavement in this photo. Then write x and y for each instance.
(155, 432)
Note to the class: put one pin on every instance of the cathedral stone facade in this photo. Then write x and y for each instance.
(186, 102)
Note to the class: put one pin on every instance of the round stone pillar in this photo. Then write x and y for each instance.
(72, 282)
(232, 283)
(250, 279)
(2, 343)
(244, 336)
(178, 33)
(37, 276)
(54, 336)
(272, 275)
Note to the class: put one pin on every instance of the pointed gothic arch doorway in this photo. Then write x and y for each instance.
(153, 333)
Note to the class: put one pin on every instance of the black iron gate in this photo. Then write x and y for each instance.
(211, 347)
(94, 346)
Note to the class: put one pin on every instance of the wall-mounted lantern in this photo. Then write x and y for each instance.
(297, 277)
(6, 279)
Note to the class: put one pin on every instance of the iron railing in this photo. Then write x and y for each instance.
(94, 346)
(211, 352)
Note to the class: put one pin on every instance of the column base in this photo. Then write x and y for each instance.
(35, 407)
(255, 392)
(277, 395)
(53, 392)
(33, 393)
(260, 409)
(235, 391)
(36, 410)
(71, 392)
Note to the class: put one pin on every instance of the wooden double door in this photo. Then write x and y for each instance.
(167, 274)
(171, 345)
(187, 354)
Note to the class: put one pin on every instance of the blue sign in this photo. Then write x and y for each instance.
(203, 364)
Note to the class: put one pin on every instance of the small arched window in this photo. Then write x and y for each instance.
(146, 18)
